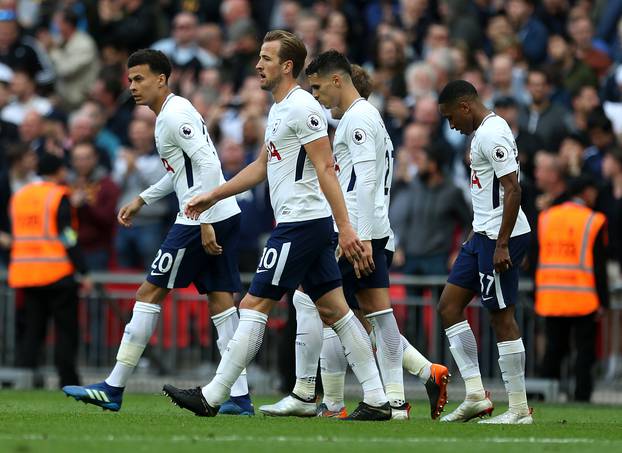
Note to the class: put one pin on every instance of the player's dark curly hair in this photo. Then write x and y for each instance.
(327, 62)
(158, 62)
(455, 91)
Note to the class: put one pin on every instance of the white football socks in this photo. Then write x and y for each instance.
(135, 338)
(226, 323)
(414, 362)
(464, 350)
(357, 345)
(512, 365)
(308, 345)
(240, 351)
(389, 353)
(333, 366)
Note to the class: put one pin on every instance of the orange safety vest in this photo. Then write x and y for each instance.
(38, 257)
(565, 284)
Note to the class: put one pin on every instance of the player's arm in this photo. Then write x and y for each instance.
(321, 156)
(511, 205)
(362, 147)
(150, 195)
(246, 179)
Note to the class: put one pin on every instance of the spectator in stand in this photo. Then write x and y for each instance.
(137, 168)
(600, 132)
(182, 47)
(24, 98)
(530, 31)
(416, 137)
(571, 282)
(75, 60)
(506, 80)
(554, 15)
(610, 201)
(210, 39)
(21, 170)
(94, 195)
(104, 138)
(82, 129)
(528, 143)
(571, 154)
(115, 103)
(581, 31)
(426, 215)
(32, 132)
(132, 22)
(572, 73)
(550, 178)
(584, 101)
(18, 50)
(542, 117)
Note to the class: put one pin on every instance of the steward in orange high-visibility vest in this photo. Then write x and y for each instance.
(45, 259)
(38, 256)
(565, 282)
(571, 283)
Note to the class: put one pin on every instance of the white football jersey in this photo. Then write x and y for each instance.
(493, 154)
(294, 187)
(360, 137)
(180, 132)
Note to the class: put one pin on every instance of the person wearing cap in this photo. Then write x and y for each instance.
(571, 281)
(45, 259)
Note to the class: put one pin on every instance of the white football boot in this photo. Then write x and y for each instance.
(510, 418)
(290, 406)
(469, 409)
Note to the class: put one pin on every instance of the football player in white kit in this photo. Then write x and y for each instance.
(364, 161)
(298, 162)
(202, 251)
(489, 260)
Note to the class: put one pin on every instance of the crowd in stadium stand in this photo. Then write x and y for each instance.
(550, 68)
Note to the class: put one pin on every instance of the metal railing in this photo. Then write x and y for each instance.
(185, 338)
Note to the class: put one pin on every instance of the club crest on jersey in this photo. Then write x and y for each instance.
(275, 126)
(500, 154)
(186, 131)
(314, 122)
(359, 136)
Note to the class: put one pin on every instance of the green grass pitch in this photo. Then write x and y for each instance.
(48, 422)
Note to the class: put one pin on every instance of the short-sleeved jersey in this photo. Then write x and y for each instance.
(294, 187)
(180, 132)
(360, 137)
(493, 155)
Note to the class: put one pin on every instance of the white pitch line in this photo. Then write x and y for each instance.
(301, 439)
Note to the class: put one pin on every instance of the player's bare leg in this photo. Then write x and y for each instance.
(138, 331)
(512, 365)
(226, 319)
(463, 347)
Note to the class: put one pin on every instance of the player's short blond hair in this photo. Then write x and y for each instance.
(292, 48)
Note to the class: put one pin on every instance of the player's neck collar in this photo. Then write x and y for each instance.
(168, 98)
(490, 115)
(356, 101)
(289, 93)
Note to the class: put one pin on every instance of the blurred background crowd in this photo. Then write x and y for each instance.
(550, 68)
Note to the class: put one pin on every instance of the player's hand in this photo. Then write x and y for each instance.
(501, 259)
(208, 239)
(365, 265)
(86, 285)
(198, 204)
(129, 210)
(350, 244)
